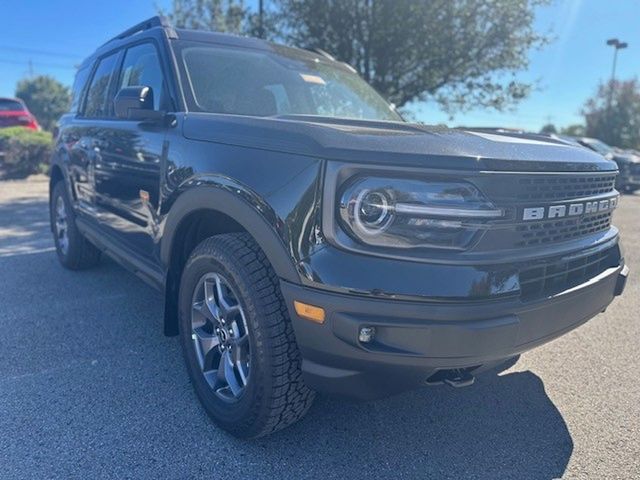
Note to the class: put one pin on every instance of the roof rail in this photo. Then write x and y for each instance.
(157, 21)
(324, 54)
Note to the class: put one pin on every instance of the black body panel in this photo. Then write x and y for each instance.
(137, 187)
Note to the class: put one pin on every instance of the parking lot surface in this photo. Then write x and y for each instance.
(90, 388)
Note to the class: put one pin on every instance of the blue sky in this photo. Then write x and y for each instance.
(56, 35)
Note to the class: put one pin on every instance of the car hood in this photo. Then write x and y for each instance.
(393, 143)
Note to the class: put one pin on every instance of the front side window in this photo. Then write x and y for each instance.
(96, 104)
(141, 67)
(281, 81)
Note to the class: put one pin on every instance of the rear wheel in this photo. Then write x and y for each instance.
(74, 251)
(237, 338)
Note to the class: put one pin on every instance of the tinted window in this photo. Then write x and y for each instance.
(142, 67)
(7, 105)
(96, 103)
(281, 82)
(78, 86)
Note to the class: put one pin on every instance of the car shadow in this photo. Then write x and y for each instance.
(503, 427)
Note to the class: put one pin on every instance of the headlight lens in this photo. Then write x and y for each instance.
(403, 213)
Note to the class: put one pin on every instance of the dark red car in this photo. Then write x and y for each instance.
(14, 113)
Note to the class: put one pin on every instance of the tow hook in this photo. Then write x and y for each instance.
(455, 377)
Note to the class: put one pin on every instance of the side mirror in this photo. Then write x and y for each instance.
(136, 103)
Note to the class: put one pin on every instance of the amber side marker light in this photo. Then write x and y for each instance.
(315, 314)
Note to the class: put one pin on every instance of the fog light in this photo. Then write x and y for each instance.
(366, 334)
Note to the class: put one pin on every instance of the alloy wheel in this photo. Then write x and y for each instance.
(61, 225)
(220, 337)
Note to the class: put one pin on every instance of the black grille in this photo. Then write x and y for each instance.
(549, 279)
(561, 230)
(561, 187)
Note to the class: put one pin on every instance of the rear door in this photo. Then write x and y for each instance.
(83, 135)
(127, 176)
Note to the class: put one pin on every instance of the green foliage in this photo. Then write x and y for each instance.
(613, 114)
(460, 53)
(575, 130)
(45, 97)
(218, 15)
(25, 151)
(548, 128)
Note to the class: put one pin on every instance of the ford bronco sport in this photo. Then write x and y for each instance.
(306, 238)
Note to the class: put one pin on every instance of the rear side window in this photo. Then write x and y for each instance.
(8, 105)
(96, 104)
(141, 66)
(78, 86)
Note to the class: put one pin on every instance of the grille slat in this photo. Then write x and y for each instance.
(552, 278)
(564, 187)
(537, 233)
(518, 192)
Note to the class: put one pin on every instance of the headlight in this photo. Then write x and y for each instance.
(403, 213)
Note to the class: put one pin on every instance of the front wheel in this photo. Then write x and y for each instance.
(237, 338)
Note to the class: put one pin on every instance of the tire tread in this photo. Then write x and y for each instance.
(289, 398)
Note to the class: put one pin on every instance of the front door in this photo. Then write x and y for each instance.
(127, 175)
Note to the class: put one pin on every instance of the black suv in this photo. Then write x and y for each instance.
(628, 162)
(306, 238)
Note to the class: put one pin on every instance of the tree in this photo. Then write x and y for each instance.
(619, 123)
(45, 97)
(461, 53)
(575, 130)
(548, 128)
(229, 16)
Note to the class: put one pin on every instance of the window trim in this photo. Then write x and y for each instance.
(154, 44)
(96, 63)
(120, 51)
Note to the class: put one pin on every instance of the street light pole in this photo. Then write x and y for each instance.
(617, 45)
(260, 19)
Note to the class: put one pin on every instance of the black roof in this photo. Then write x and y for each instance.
(155, 26)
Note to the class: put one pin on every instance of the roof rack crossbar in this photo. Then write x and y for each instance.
(157, 21)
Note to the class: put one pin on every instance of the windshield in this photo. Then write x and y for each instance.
(600, 147)
(268, 83)
(8, 105)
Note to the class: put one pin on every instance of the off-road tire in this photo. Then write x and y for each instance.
(275, 396)
(79, 254)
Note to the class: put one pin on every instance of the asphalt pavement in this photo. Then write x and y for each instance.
(90, 388)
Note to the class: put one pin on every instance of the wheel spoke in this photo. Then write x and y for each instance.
(242, 341)
(229, 374)
(210, 300)
(240, 359)
(205, 343)
(223, 303)
(203, 314)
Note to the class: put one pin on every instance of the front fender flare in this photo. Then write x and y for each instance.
(243, 206)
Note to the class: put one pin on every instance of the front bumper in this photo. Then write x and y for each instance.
(414, 340)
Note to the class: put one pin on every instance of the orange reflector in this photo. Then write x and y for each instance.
(315, 314)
